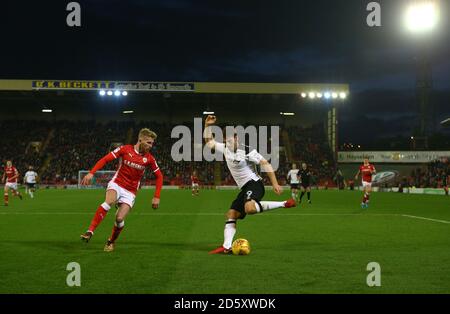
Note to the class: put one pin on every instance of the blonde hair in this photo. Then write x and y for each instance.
(147, 133)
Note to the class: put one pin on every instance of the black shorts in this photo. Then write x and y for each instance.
(31, 185)
(294, 186)
(252, 190)
(306, 185)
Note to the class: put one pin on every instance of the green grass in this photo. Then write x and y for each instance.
(319, 248)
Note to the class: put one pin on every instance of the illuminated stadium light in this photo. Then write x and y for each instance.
(312, 95)
(421, 17)
(124, 93)
(117, 93)
(334, 95)
(208, 112)
(287, 113)
(109, 93)
(128, 111)
(102, 93)
(303, 95)
(327, 95)
(47, 110)
(342, 95)
(319, 95)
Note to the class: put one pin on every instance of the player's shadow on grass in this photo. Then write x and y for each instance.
(158, 246)
(144, 246)
(52, 245)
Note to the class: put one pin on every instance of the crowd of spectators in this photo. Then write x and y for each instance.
(435, 175)
(21, 142)
(309, 145)
(77, 145)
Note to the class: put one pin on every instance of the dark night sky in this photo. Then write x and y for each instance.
(237, 41)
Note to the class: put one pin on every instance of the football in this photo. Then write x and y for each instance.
(240, 247)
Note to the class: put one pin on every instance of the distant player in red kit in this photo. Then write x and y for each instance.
(194, 181)
(10, 175)
(123, 186)
(366, 171)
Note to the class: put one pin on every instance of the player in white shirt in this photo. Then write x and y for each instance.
(292, 177)
(243, 169)
(30, 179)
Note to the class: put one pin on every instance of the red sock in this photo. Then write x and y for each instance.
(116, 231)
(6, 198)
(100, 214)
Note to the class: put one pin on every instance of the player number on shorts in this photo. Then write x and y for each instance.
(73, 279)
(74, 17)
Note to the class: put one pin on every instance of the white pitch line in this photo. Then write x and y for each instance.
(221, 214)
(429, 219)
(194, 214)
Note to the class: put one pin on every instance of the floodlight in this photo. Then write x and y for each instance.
(421, 16)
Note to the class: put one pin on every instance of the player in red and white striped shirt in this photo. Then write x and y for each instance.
(123, 186)
(366, 171)
(10, 176)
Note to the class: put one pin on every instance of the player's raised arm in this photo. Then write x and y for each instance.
(100, 164)
(207, 134)
(357, 174)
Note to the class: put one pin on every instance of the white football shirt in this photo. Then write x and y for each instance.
(30, 177)
(242, 166)
(293, 176)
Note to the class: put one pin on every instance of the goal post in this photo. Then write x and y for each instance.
(100, 179)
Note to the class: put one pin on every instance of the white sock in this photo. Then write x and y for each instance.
(31, 194)
(229, 232)
(270, 205)
(106, 206)
(119, 225)
(293, 195)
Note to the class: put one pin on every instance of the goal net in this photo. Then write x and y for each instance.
(100, 179)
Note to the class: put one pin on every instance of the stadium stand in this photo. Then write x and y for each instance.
(62, 148)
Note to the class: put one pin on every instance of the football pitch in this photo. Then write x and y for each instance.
(323, 247)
